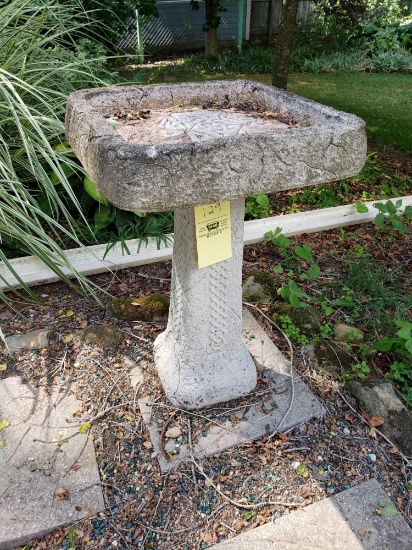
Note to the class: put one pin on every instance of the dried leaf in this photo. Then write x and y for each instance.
(206, 537)
(238, 525)
(83, 324)
(306, 492)
(364, 533)
(3, 367)
(62, 494)
(67, 339)
(4, 423)
(2, 442)
(388, 509)
(376, 421)
(84, 427)
(147, 445)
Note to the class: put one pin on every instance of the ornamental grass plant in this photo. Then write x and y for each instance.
(45, 52)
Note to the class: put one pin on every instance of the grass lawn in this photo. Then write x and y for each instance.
(384, 101)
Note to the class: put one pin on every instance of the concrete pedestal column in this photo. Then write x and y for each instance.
(201, 358)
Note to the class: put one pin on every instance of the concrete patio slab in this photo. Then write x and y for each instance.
(343, 522)
(261, 414)
(47, 478)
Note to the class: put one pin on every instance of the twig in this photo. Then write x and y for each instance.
(151, 277)
(189, 430)
(93, 419)
(240, 504)
(162, 434)
(376, 430)
(159, 532)
(277, 429)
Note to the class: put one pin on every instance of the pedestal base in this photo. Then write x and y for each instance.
(194, 383)
(200, 357)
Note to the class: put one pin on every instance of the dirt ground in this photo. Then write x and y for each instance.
(202, 502)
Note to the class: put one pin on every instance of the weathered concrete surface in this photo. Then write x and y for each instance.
(342, 522)
(274, 370)
(215, 165)
(200, 357)
(33, 468)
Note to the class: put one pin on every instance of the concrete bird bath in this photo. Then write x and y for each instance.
(201, 144)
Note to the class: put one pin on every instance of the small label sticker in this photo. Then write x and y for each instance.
(213, 233)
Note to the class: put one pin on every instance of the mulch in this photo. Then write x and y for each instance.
(199, 503)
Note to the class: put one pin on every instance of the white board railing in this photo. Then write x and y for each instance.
(89, 260)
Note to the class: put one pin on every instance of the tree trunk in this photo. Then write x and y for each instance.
(284, 43)
(212, 23)
(212, 43)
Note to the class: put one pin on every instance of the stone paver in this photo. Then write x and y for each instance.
(33, 467)
(275, 370)
(342, 522)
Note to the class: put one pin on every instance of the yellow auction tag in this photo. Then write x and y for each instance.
(213, 233)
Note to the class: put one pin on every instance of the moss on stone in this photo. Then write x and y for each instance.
(146, 308)
(307, 319)
(263, 278)
(328, 356)
(102, 336)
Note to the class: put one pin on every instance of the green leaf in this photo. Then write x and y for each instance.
(314, 271)
(248, 515)
(327, 309)
(263, 200)
(399, 226)
(281, 241)
(388, 509)
(391, 208)
(409, 485)
(408, 211)
(408, 345)
(103, 216)
(67, 170)
(404, 333)
(93, 192)
(381, 207)
(384, 344)
(304, 252)
(64, 149)
(278, 269)
(361, 207)
(380, 220)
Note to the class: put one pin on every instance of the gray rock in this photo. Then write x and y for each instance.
(36, 339)
(329, 356)
(306, 319)
(252, 291)
(346, 333)
(102, 336)
(378, 398)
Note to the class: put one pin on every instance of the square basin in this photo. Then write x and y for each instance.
(161, 147)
